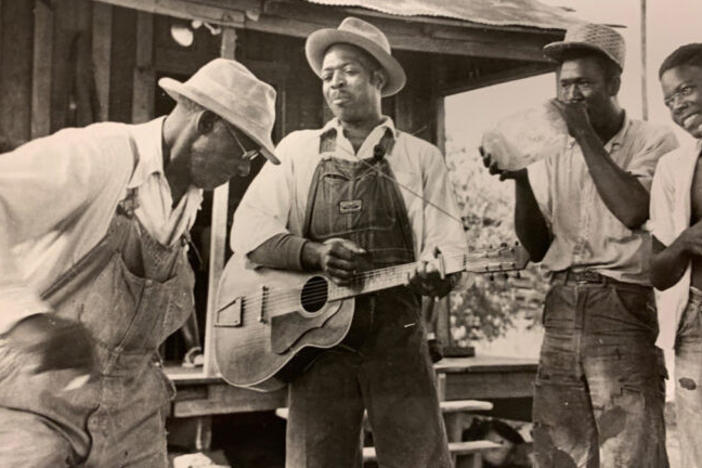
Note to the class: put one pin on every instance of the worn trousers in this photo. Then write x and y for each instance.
(390, 375)
(688, 372)
(600, 390)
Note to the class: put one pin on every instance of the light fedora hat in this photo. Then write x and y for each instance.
(361, 34)
(231, 91)
(596, 37)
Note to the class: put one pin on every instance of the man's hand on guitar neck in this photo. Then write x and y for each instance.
(427, 280)
(340, 259)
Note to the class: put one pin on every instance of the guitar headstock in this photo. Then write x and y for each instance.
(498, 260)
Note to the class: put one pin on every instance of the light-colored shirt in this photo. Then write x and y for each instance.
(587, 236)
(671, 211)
(276, 200)
(58, 195)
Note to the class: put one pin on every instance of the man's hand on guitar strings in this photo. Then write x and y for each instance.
(340, 259)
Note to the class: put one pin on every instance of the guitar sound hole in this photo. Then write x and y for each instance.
(314, 294)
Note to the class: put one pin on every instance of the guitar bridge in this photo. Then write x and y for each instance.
(230, 315)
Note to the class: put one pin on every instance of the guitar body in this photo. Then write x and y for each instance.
(266, 335)
(270, 324)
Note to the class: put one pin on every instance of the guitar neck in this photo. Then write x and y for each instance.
(389, 277)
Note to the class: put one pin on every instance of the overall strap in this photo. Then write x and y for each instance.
(90, 265)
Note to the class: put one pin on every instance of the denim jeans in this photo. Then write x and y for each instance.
(688, 371)
(599, 391)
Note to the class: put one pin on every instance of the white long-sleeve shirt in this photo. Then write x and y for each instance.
(58, 195)
(276, 200)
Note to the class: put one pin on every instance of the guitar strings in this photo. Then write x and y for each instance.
(328, 289)
(319, 292)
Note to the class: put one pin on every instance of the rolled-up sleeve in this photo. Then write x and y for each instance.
(663, 204)
(265, 207)
(539, 180)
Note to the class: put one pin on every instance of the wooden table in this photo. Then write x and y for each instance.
(478, 377)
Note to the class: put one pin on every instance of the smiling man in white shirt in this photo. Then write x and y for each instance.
(93, 268)
(676, 266)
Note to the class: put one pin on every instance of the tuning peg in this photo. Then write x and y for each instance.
(505, 276)
(503, 244)
(491, 277)
(518, 275)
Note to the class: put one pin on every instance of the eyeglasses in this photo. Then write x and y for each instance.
(246, 154)
(682, 92)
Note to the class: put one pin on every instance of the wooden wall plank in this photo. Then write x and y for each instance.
(144, 76)
(218, 234)
(16, 69)
(490, 79)
(42, 69)
(186, 9)
(123, 53)
(102, 49)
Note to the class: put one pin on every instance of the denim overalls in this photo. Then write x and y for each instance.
(130, 292)
(383, 364)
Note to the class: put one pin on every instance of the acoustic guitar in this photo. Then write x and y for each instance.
(269, 324)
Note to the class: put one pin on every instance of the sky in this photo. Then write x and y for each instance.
(670, 23)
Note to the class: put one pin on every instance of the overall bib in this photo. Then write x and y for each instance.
(130, 292)
(383, 364)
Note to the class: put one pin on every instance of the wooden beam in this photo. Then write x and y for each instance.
(301, 20)
(511, 74)
(41, 69)
(438, 73)
(225, 399)
(102, 50)
(186, 9)
(144, 77)
(218, 234)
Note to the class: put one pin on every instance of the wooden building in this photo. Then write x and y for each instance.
(73, 62)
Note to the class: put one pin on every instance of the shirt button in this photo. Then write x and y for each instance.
(148, 282)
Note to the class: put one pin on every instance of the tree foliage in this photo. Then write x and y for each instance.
(482, 308)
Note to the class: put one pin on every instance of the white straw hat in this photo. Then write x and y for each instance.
(230, 90)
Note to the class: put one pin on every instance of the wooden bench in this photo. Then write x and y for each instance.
(471, 447)
(447, 408)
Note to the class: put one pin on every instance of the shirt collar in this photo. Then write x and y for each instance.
(147, 139)
(616, 141)
(334, 125)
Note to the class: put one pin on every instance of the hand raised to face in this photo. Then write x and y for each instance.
(491, 164)
(575, 116)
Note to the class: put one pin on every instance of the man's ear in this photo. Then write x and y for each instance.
(613, 85)
(379, 79)
(205, 122)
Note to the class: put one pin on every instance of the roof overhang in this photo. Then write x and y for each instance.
(439, 29)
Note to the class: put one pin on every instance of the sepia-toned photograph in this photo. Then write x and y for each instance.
(350, 234)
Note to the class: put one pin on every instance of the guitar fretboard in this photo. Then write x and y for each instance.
(397, 275)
